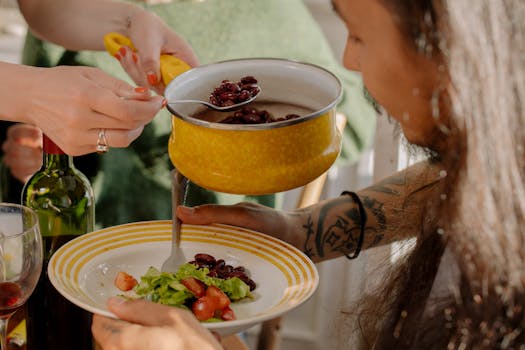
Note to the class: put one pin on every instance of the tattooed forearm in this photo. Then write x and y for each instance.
(393, 206)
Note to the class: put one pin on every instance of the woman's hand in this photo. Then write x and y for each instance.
(72, 104)
(283, 225)
(152, 37)
(23, 150)
(146, 325)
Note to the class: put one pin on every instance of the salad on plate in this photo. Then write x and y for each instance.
(206, 286)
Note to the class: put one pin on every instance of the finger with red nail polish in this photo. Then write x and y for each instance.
(152, 78)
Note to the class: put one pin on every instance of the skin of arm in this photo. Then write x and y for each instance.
(81, 25)
(76, 24)
(396, 209)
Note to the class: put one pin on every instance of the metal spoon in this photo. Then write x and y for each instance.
(218, 108)
(178, 191)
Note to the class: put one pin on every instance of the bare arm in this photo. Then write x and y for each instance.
(396, 208)
(77, 24)
(81, 25)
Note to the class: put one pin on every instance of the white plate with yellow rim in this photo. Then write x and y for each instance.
(84, 269)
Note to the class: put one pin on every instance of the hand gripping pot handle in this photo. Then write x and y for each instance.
(170, 66)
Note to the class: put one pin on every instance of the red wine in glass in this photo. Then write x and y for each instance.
(10, 298)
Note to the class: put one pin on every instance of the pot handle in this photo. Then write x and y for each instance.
(170, 66)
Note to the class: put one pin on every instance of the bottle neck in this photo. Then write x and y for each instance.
(54, 157)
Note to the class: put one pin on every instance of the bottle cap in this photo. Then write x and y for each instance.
(50, 147)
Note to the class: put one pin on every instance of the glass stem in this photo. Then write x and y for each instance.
(3, 333)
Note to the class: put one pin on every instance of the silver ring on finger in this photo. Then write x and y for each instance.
(102, 142)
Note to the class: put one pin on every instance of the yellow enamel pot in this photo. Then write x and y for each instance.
(257, 158)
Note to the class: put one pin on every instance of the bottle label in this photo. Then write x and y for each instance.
(50, 147)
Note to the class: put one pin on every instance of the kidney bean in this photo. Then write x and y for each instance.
(252, 119)
(220, 263)
(243, 96)
(214, 100)
(248, 80)
(205, 259)
(239, 274)
(243, 277)
(253, 90)
(229, 86)
(224, 270)
(251, 284)
(226, 96)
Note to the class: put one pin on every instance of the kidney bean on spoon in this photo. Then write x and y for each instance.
(230, 93)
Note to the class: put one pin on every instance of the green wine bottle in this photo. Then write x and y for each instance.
(63, 199)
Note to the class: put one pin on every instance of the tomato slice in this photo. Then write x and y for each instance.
(220, 299)
(203, 308)
(125, 281)
(195, 286)
(228, 314)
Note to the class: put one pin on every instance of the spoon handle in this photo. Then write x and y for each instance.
(207, 104)
(179, 189)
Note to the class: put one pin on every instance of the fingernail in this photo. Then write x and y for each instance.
(116, 301)
(164, 103)
(152, 78)
(117, 56)
(122, 51)
(134, 57)
(141, 89)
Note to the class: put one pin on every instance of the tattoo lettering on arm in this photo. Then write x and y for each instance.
(309, 226)
(376, 208)
(338, 234)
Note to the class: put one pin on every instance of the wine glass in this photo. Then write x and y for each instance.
(21, 256)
